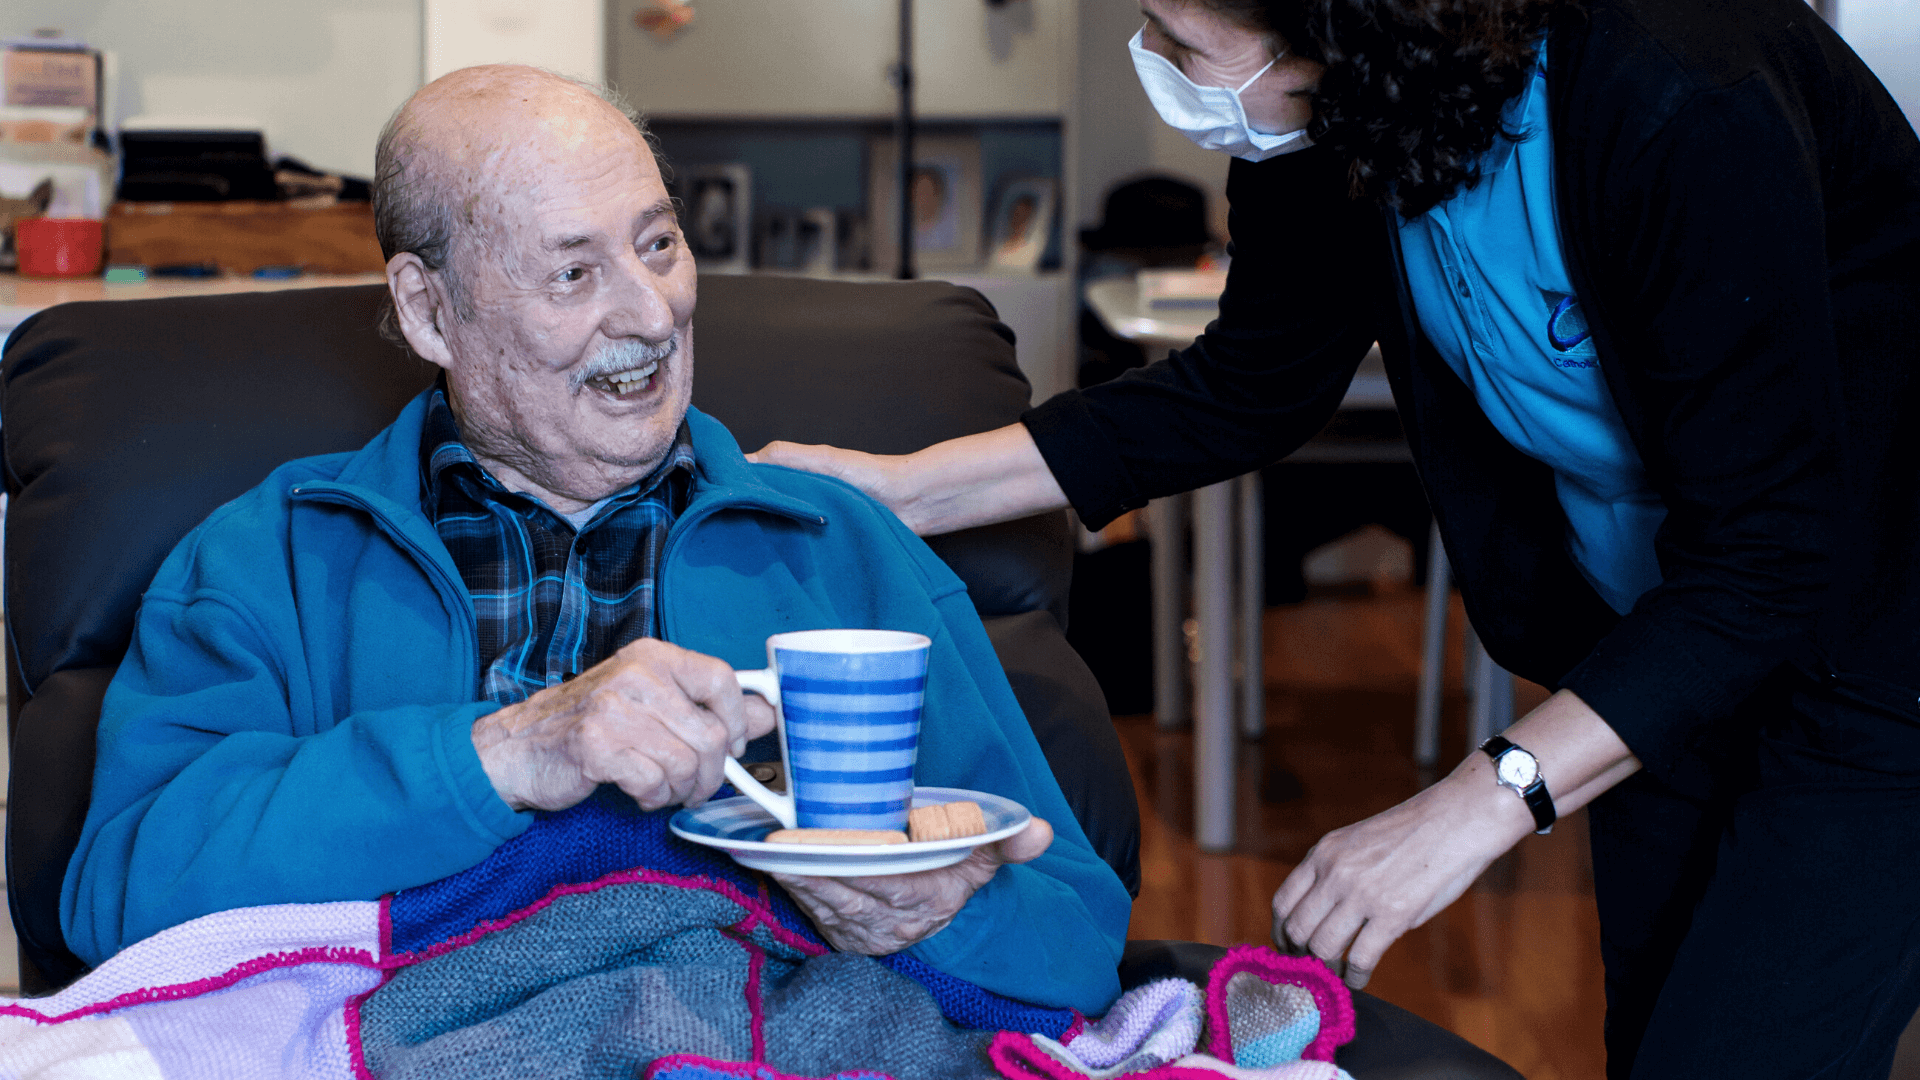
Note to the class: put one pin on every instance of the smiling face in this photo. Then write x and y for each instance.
(573, 370)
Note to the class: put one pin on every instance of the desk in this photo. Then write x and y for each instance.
(1227, 530)
(21, 297)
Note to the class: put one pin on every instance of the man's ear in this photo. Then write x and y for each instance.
(421, 305)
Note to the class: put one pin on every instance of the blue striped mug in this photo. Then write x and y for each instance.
(848, 703)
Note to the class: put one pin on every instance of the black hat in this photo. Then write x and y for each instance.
(1153, 211)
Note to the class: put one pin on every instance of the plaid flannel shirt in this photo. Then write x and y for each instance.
(549, 601)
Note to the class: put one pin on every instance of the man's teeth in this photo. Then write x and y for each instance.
(626, 382)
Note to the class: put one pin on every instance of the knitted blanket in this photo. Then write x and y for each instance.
(596, 944)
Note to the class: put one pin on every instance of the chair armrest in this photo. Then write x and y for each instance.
(46, 806)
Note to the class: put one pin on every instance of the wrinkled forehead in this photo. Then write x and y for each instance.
(512, 172)
(549, 129)
(534, 134)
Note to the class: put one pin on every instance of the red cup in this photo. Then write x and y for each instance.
(58, 247)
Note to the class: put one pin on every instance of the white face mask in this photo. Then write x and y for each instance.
(1211, 116)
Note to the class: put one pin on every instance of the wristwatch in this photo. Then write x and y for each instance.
(1515, 768)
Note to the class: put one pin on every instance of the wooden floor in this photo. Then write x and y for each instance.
(1514, 965)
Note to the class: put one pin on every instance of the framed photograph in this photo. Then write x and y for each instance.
(946, 199)
(801, 241)
(717, 216)
(818, 241)
(779, 242)
(1022, 223)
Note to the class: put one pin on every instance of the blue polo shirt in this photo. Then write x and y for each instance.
(1491, 290)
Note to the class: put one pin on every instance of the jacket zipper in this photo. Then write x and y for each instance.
(684, 525)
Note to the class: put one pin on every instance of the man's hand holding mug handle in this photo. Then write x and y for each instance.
(654, 719)
(875, 916)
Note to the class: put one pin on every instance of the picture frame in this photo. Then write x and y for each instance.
(949, 197)
(777, 245)
(799, 241)
(1022, 223)
(818, 241)
(717, 216)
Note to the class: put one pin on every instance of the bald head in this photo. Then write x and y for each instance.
(448, 161)
(534, 255)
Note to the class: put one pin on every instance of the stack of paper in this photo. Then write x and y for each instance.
(1181, 288)
(50, 91)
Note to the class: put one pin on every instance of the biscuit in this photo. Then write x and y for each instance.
(946, 821)
(836, 836)
(929, 823)
(966, 819)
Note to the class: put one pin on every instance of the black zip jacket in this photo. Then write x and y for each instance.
(1739, 200)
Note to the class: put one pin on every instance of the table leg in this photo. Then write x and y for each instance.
(1489, 694)
(1166, 531)
(1214, 734)
(1253, 605)
(1433, 654)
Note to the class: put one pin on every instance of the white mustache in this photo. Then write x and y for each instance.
(626, 354)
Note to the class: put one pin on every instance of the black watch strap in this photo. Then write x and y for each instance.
(1538, 799)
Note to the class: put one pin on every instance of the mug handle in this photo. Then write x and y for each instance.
(766, 683)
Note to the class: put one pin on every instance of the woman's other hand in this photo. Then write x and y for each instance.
(1363, 886)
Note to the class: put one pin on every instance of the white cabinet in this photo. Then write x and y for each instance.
(559, 35)
(778, 58)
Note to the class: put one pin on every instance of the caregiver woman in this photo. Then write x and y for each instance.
(1646, 276)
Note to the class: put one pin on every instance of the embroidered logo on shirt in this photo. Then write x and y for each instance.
(1570, 338)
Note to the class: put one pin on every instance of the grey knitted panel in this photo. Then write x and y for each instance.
(598, 1026)
(607, 929)
(840, 1012)
(601, 984)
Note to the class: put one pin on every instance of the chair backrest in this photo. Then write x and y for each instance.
(124, 423)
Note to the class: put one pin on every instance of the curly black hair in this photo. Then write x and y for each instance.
(1413, 89)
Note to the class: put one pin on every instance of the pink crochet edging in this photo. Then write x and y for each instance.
(1018, 1058)
(350, 1016)
(1075, 1029)
(756, 1016)
(757, 914)
(181, 991)
(750, 1070)
(1332, 997)
(386, 925)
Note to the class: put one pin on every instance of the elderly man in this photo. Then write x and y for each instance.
(370, 671)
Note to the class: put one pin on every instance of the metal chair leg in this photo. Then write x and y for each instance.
(1433, 654)
(1489, 694)
(1214, 734)
(1253, 606)
(1167, 531)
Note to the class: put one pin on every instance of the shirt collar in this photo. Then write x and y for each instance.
(1524, 116)
(444, 455)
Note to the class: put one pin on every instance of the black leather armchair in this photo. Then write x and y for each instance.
(124, 423)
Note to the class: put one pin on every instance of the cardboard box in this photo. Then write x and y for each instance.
(242, 236)
(52, 75)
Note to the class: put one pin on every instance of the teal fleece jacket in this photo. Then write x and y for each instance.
(291, 723)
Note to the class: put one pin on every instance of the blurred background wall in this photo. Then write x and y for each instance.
(322, 75)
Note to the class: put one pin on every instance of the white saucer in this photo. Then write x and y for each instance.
(738, 826)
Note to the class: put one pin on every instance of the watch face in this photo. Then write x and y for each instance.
(1518, 768)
